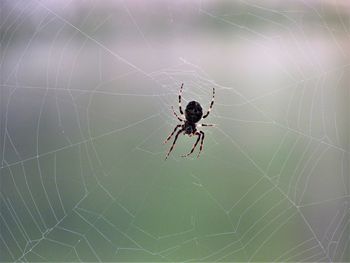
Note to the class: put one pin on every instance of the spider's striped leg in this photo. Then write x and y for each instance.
(211, 105)
(194, 145)
(172, 146)
(206, 125)
(201, 147)
(177, 116)
(171, 135)
(180, 95)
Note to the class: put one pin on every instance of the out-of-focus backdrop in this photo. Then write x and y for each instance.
(85, 103)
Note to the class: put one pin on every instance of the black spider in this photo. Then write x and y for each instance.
(193, 114)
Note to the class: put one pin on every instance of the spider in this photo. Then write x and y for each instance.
(193, 114)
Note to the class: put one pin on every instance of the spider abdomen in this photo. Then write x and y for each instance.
(193, 112)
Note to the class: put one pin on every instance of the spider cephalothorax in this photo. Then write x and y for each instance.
(189, 128)
(193, 114)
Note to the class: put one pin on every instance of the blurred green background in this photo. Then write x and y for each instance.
(85, 99)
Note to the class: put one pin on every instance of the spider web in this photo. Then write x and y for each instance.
(86, 91)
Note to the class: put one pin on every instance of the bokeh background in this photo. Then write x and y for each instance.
(85, 104)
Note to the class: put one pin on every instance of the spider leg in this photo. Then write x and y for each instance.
(194, 145)
(171, 135)
(177, 116)
(180, 95)
(211, 105)
(206, 125)
(201, 147)
(172, 146)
